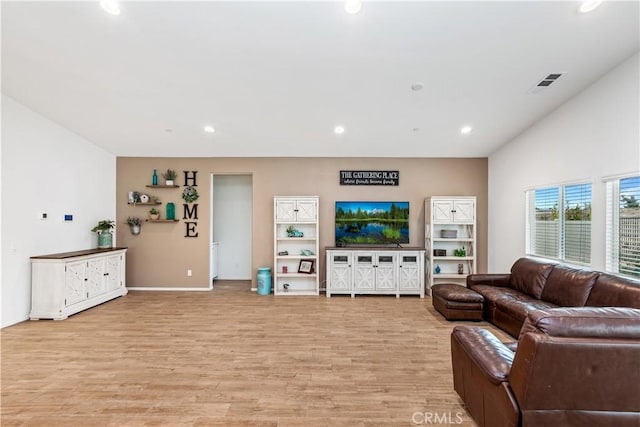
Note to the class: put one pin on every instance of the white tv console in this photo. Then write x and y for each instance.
(375, 270)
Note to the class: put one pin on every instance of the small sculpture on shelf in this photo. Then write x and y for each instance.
(437, 270)
(460, 268)
(292, 232)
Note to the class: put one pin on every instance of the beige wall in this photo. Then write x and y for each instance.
(161, 255)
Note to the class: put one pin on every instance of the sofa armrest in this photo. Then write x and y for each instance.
(501, 280)
(487, 352)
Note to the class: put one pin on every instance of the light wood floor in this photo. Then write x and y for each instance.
(233, 358)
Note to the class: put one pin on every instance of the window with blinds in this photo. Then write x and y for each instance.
(559, 223)
(623, 226)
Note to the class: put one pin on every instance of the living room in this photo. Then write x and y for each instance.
(583, 128)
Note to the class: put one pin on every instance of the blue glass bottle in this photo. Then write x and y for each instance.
(437, 270)
(154, 178)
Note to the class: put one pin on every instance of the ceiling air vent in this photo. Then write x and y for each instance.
(546, 82)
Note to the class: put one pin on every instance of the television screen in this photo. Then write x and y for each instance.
(372, 223)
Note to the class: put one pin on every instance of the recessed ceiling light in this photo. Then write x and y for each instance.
(112, 7)
(353, 6)
(416, 129)
(589, 6)
(209, 129)
(338, 130)
(466, 130)
(417, 86)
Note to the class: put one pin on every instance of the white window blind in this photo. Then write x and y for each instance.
(623, 226)
(559, 223)
(544, 222)
(577, 223)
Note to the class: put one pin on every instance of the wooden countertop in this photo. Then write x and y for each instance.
(64, 255)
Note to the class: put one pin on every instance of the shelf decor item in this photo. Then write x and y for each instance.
(144, 198)
(105, 237)
(154, 178)
(460, 268)
(154, 214)
(190, 194)
(169, 177)
(460, 252)
(134, 225)
(306, 266)
(437, 270)
(171, 211)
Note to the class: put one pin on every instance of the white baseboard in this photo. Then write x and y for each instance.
(168, 289)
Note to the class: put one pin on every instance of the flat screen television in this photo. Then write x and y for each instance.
(372, 223)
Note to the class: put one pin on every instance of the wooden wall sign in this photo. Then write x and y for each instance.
(190, 195)
(369, 178)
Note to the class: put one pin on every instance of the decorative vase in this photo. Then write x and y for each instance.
(437, 270)
(154, 217)
(171, 211)
(154, 178)
(135, 229)
(169, 182)
(460, 268)
(105, 240)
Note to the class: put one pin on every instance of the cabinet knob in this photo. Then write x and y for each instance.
(105, 274)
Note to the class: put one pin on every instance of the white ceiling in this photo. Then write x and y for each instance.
(274, 78)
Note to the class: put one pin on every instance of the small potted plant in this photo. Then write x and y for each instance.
(169, 176)
(154, 214)
(104, 229)
(134, 225)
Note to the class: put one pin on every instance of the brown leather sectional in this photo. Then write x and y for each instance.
(537, 285)
(577, 358)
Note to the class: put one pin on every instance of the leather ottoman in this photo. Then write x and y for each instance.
(456, 302)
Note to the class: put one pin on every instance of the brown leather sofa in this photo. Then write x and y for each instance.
(535, 284)
(570, 367)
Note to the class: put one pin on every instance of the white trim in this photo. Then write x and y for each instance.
(562, 184)
(620, 176)
(168, 289)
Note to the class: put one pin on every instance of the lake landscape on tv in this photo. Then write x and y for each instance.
(370, 223)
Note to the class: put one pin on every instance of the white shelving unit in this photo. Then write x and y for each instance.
(450, 224)
(301, 213)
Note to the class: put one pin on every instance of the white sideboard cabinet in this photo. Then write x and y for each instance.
(375, 271)
(450, 239)
(66, 283)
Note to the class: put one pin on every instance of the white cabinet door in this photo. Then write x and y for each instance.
(306, 210)
(285, 210)
(385, 271)
(364, 272)
(409, 272)
(296, 210)
(464, 211)
(74, 290)
(442, 211)
(112, 272)
(341, 278)
(95, 277)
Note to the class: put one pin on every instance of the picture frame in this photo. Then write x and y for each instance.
(306, 266)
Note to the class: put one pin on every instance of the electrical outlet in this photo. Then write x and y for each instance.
(189, 273)
(44, 215)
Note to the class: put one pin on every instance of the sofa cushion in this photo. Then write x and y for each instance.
(529, 276)
(585, 322)
(518, 306)
(492, 294)
(568, 287)
(614, 291)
